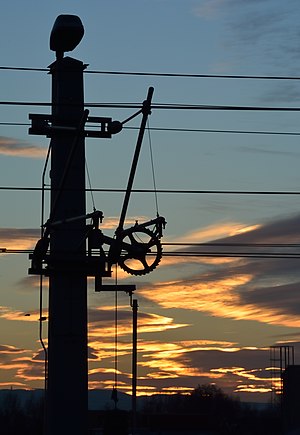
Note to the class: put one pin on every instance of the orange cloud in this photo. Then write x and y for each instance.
(250, 388)
(18, 148)
(215, 297)
(166, 360)
(12, 384)
(18, 238)
(217, 231)
(219, 297)
(10, 314)
(10, 350)
(177, 390)
(209, 234)
(147, 323)
(25, 367)
(112, 222)
(243, 373)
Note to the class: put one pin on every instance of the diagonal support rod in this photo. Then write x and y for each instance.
(146, 110)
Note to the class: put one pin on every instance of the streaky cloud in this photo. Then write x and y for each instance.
(18, 238)
(16, 148)
(10, 350)
(263, 290)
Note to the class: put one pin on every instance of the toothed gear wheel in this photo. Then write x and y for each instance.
(141, 252)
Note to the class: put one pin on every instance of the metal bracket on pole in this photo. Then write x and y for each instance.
(42, 125)
(127, 288)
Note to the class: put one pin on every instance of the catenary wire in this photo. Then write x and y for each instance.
(203, 244)
(208, 130)
(160, 74)
(193, 75)
(199, 244)
(234, 244)
(186, 130)
(23, 68)
(266, 255)
(165, 191)
(216, 254)
(159, 106)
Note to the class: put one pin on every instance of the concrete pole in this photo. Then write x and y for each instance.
(67, 394)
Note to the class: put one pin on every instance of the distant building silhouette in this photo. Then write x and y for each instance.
(281, 356)
(291, 400)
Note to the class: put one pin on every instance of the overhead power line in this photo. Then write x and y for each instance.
(223, 107)
(207, 130)
(235, 244)
(162, 74)
(186, 130)
(232, 254)
(167, 191)
(161, 106)
(199, 244)
(193, 75)
(23, 68)
(190, 254)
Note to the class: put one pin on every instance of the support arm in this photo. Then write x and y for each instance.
(146, 110)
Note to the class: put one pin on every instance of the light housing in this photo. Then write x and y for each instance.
(66, 34)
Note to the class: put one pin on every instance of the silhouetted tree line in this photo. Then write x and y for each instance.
(21, 418)
(207, 407)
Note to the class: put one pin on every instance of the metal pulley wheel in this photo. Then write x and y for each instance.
(141, 252)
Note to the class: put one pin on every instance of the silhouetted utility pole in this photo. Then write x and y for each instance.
(67, 356)
(67, 400)
(67, 387)
(76, 249)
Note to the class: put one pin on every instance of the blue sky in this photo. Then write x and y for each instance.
(201, 319)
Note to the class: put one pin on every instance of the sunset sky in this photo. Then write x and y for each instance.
(201, 318)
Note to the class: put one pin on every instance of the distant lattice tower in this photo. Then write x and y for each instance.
(281, 357)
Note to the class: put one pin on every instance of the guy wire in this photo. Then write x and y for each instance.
(90, 184)
(41, 319)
